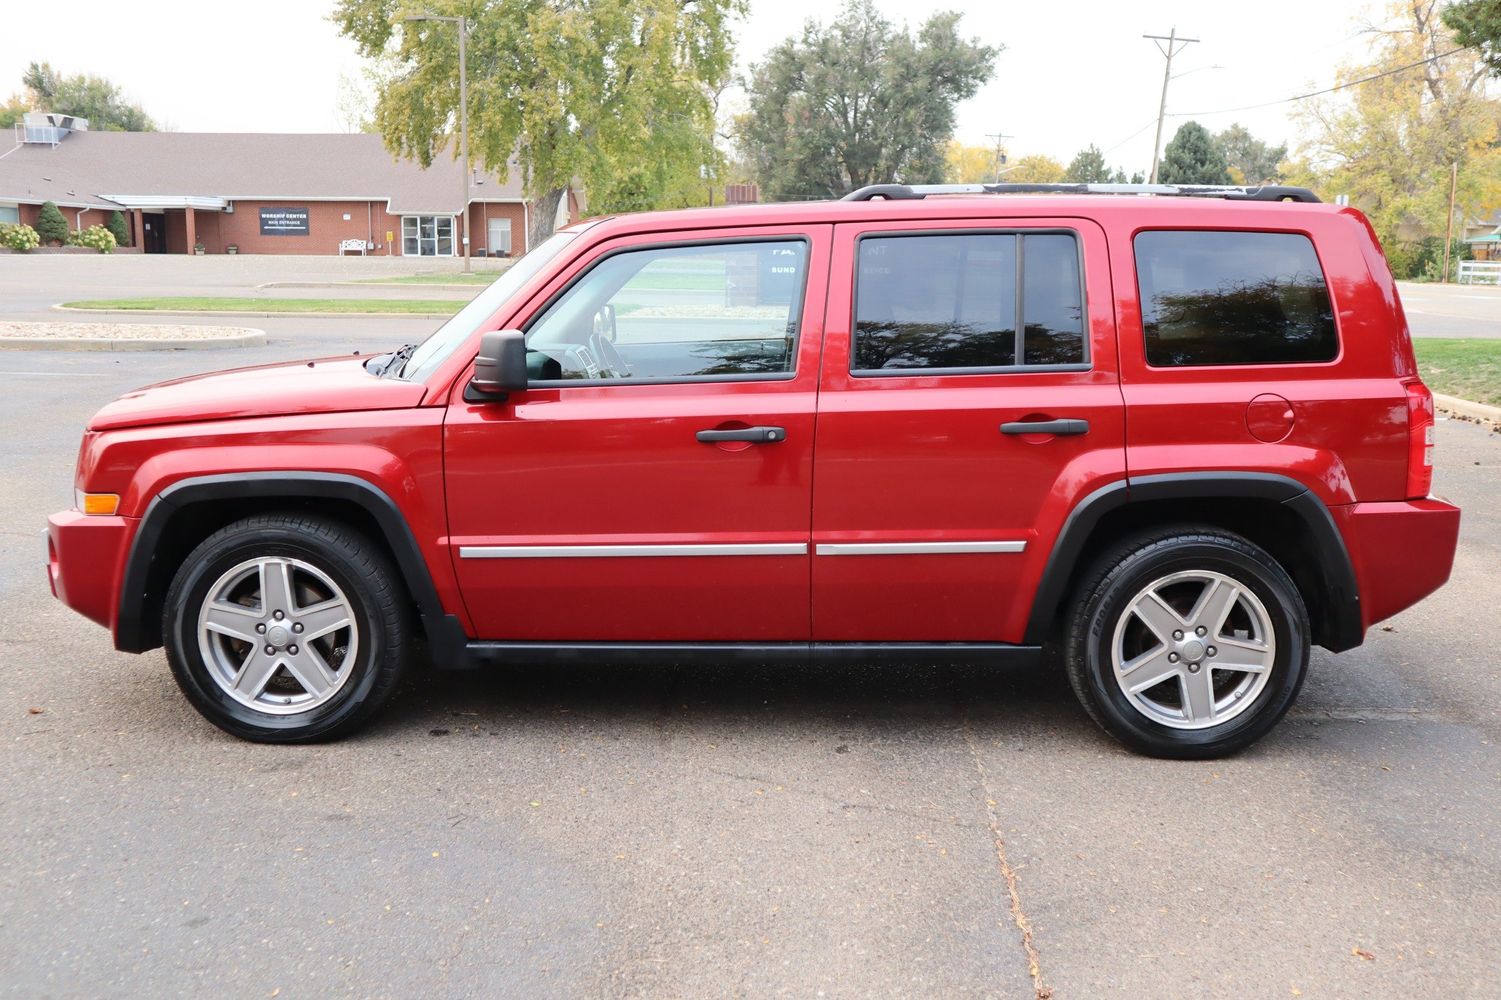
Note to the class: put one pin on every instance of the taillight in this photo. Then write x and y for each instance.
(1419, 440)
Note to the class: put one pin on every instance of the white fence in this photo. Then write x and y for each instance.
(1480, 272)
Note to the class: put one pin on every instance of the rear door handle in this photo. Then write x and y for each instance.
(759, 435)
(1062, 428)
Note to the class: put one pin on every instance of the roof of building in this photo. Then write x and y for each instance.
(150, 169)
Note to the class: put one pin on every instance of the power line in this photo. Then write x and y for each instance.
(1320, 93)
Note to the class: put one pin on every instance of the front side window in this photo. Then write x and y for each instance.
(10, 215)
(1233, 298)
(722, 310)
(936, 302)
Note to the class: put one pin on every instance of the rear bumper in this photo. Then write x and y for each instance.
(1402, 552)
(84, 556)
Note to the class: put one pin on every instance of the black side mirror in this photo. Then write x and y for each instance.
(500, 367)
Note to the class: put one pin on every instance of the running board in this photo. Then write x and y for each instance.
(926, 653)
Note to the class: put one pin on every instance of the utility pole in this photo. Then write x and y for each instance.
(1000, 155)
(463, 25)
(1449, 236)
(1173, 47)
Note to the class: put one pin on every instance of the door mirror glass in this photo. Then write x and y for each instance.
(500, 367)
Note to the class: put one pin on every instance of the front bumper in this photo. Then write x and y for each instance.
(85, 555)
(1402, 552)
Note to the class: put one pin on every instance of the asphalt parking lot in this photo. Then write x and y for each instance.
(667, 831)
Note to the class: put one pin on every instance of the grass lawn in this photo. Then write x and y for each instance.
(477, 278)
(1469, 369)
(213, 304)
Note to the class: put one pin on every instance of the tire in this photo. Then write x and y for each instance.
(312, 689)
(1123, 632)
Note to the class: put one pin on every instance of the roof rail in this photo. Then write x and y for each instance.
(1266, 192)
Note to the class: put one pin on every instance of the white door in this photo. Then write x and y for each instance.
(500, 237)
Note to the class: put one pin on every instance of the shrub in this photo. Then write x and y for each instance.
(121, 230)
(19, 237)
(95, 237)
(51, 226)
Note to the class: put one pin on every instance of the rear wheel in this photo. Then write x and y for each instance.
(286, 628)
(1188, 643)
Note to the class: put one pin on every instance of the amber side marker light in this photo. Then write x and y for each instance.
(97, 503)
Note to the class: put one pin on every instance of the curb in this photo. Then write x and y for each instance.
(256, 338)
(1464, 409)
(367, 284)
(262, 315)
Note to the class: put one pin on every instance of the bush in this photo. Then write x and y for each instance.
(51, 226)
(119, 228)
(95, 237)
(19, 237)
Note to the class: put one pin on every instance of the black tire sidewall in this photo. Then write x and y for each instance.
(1249, 569)
(180, 631)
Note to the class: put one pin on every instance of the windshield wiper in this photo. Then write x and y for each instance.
(398, 361)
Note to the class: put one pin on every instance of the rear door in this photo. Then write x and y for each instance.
(970, 397)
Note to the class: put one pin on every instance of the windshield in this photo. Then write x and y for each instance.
(433, 351)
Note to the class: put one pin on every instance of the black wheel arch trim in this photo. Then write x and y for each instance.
(1341, 629)
(134, 633)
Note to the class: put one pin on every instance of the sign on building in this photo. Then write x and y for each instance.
(284, 222)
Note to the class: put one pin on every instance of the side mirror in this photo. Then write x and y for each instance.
(500, 367)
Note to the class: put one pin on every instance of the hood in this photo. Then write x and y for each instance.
(325, 385)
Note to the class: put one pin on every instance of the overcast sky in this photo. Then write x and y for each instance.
(1070, 74)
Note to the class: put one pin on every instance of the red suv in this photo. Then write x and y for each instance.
(1177, 438)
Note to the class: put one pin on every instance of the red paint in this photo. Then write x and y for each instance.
(907, 458)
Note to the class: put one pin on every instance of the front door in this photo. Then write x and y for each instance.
(969, 397)
(654, 481)
(154, 232)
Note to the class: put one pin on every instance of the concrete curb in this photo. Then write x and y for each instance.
(368, 284)
(262, 315)
(1464, 409)
(256, 338)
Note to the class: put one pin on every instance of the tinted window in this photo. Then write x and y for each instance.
(675, 313)
(1212, 298)
(952, 302)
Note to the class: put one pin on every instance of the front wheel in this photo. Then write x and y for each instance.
(1190, 643)
(286, 628)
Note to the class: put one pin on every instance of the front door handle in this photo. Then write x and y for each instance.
(759, 435)
(1062, 428)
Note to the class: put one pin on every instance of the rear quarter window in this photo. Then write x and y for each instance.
(1233, 298)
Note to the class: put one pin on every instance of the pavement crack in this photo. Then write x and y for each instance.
(1008, 874)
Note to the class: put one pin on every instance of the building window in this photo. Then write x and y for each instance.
(427, 235)
(10, 215)
(499, 237)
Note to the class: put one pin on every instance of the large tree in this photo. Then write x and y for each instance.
(1249, 160)
(858, 102)
(1478, 23)
(615, 94)
(1390, 143)
(91, 97)
(1088, 167)
(1192, 158)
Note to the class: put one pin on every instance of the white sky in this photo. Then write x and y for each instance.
(1070, 75)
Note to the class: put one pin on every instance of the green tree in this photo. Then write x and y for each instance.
(50, 224)
(858, 102)
(118, 226)
(1478, 23)
(12, 110)
(1034, 169)
(1248, 159)
(613, 94)
(1192, 158)
(91, 97)
(1088, 167)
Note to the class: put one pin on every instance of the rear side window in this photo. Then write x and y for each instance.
(968, 301)
(1233, 298)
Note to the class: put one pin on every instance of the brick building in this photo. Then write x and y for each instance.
(258, 193)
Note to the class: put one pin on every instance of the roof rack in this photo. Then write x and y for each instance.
(1266, 192)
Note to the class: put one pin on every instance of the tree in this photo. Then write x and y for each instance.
(118, 227)
(91, 97)
(1035, 169)
(1390, 143)
(1248, 159)
(969, 164)
(1088, 167)
(50, 224)
(615, 94)
(1192, 158)
(1478, 23)
(12, 110)
(859, 102)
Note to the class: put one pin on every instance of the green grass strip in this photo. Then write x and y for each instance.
(1469, 369)
(213, 304)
